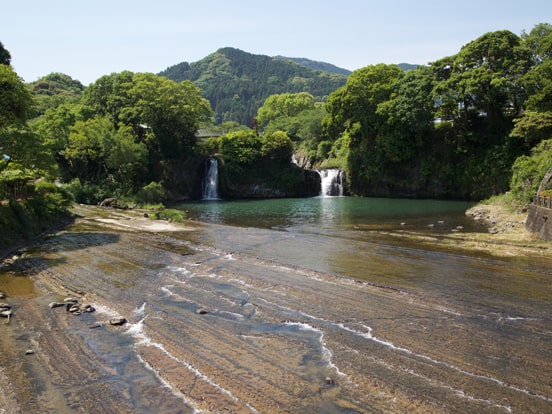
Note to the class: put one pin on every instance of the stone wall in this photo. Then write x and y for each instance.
(539, 220)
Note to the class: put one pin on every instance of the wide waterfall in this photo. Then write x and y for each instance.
(210, 180)
(332, 182)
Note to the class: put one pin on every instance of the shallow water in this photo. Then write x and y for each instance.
(312, 311)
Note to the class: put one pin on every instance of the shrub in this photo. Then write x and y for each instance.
(528, 171)
(152, 193)
(169, 214)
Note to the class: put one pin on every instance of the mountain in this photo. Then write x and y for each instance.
(407, 66)
(237, 83)
(316, 65)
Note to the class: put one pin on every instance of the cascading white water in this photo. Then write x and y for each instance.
(210, 180)
(332, 182)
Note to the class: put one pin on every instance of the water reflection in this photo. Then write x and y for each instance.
(332, 212)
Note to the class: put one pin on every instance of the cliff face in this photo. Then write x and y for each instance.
(539, 220)
(306, 186)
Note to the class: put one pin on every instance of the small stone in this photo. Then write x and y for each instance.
(5, 306)
(71, 300)
(53, 305)
(329, 381)
(29, 352)
(117, 321)
(74, 308)
(6, 313)
(2, 295)
(201, 311)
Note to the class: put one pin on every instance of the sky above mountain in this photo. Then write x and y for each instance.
(88, 39)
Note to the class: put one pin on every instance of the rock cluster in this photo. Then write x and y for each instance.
(73, 306)
(494, 221)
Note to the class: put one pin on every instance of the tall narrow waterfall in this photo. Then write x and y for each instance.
(332, 182)
(210, 180)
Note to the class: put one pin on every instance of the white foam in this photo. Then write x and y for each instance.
(106, 310)
(140, 312)
(368, 335)
(137, 331)
(175, 392)
(325, 351)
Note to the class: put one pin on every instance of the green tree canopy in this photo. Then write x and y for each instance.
(5, 56)
(53, 90)
(354, 122)
(241, 147)
(482, 79)
(16, 141)
(356, 103)
(284, 105)
(408, 115)
(277, 146)
(539, 41)
(529, 170)
(167, 114)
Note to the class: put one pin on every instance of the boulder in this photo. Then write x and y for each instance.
(117, 321)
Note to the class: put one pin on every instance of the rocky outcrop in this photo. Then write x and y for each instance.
(539, 220)
(309, 186)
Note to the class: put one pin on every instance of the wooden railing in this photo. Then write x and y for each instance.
(542, 201)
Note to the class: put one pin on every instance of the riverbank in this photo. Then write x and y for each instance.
(502, 233)
(219, 318)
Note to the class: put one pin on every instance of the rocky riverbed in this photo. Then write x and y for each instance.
(193, 318)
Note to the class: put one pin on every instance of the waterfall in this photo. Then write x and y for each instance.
(332, 182)
(210, 180)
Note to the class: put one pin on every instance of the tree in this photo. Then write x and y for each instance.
(532, 128)
(538, 86)
(277, 147)
(53, 90)
(539, 41)
(529, 170)
(482, 80)
(240, 147)
(166, 113)
(15, 99)
(284, 105)
(16, 141)
(353, 119)
(98, 152)
(5, 56)
(172, 111)
(358, 100)
(408, 115)
(163, 115)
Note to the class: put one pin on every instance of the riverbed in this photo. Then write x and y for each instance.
(279, 318)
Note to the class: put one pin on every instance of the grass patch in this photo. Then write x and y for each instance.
(169, 214)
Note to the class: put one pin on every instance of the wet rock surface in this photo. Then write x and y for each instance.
(274, 337)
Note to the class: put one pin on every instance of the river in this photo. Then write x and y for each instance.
(320, 305)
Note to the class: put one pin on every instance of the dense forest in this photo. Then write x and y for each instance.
(467, 126)
(236, 83)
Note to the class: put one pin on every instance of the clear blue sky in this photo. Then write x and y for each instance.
(89, 39)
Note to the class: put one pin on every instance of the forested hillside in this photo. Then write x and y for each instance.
(316, 65)
(236, 83)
